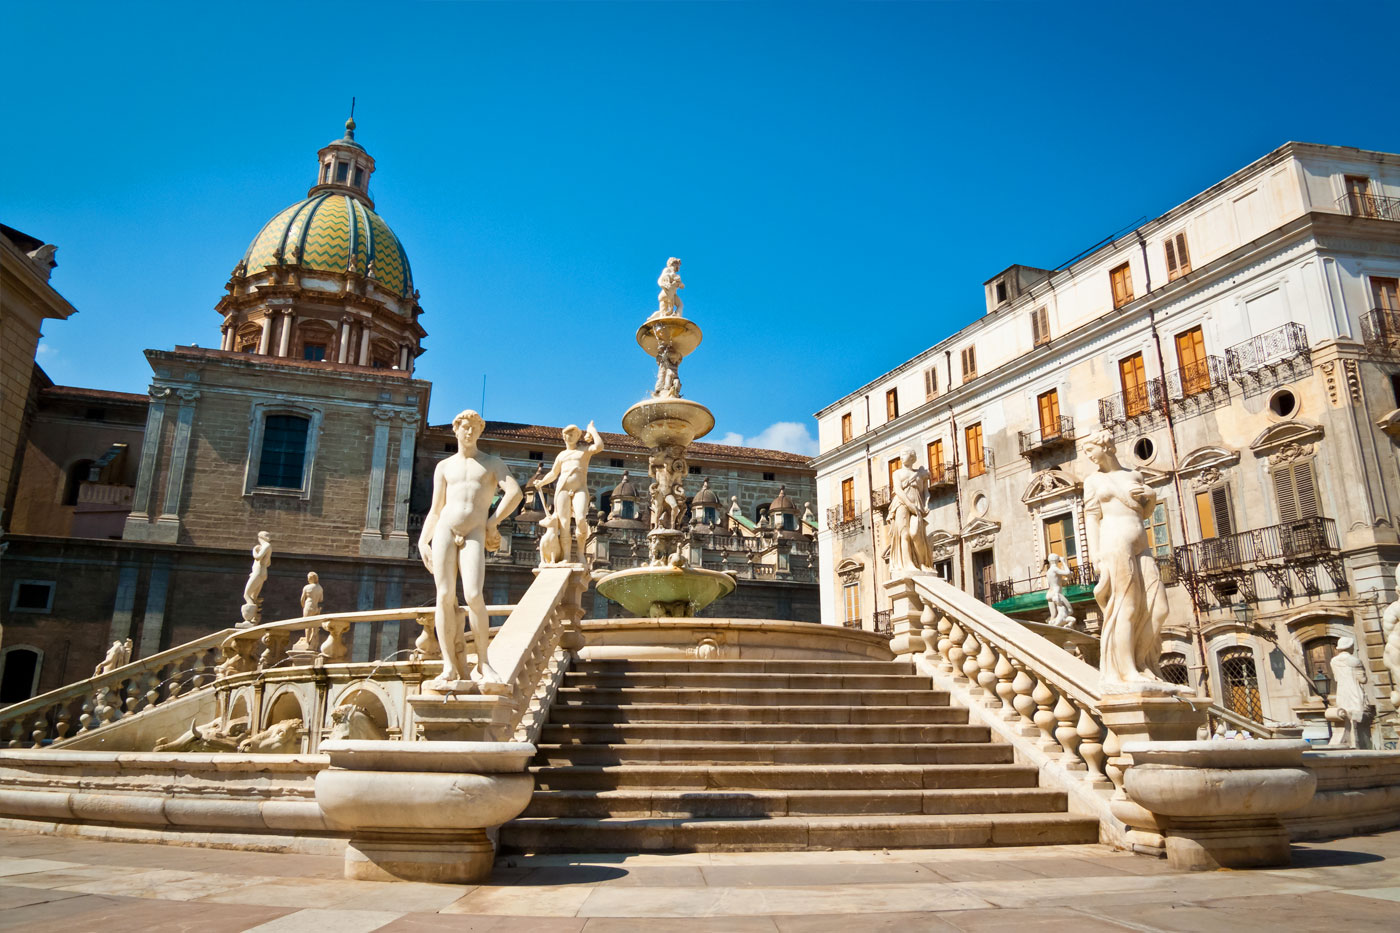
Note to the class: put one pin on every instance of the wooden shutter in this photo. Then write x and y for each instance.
(1213, 509)
(1133, 376)
(892, 404)
(1122, 279)
(930, 383)
(892, 465)
(846, 432)
(976, 458)
(969, 362)
(935, 457)
(1191, 357)
(1386, 293)
(1296, 491)
(852, 593)
(848, 500)
(1178, 260)
(1049, 405)
(1040, 326)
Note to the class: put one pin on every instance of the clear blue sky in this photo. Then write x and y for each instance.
(838, 179)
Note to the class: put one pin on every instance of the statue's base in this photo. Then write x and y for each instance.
(463, 717)
(430, 858)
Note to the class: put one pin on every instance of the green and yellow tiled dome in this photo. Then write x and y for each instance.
(324, 232)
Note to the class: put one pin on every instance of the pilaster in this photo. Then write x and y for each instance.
(167, 527)
(138, 521)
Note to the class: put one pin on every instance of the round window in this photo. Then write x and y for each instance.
(1144, 449)
(1283, 403)
(980, 503)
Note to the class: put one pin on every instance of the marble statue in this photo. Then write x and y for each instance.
(348, 721)
(909, 549)
(551, 545)
(252, 590)
(311, 596)
(280, 738)
(570, 469)
(669, 301)
(667, 468)
(668, 379)
(1350, 712)
(1131, 598)
(457, 531)
(1390, 652)
(119, 655)
(207, 738)
(1056, 576)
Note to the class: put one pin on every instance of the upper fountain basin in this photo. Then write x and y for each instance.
(660, 422)
(681, 333)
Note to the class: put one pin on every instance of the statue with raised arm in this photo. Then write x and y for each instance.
(909, 549)
(670, 282)
(1056, 576)
(1130, 594)
(457, 532)
(570, 469)
(1351, 712)
(252, 590)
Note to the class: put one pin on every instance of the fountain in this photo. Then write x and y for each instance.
(667, 423)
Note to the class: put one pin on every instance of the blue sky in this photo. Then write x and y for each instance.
(839, 179)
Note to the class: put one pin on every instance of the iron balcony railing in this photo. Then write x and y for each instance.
(880, 498)
(998, 590)
(1303, 540)
(1373, 206)
(1380, 330)
(941, 475)
(979, 467)
(881, 622)
(845, 519)
(1133, 402)
(1058, 433)
(1274, 346)
(1203, 377)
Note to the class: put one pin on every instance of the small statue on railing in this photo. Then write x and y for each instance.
(909, 550)
(669, 302)
(1350, 714)
(1056, 576)
(252, 590)
(570, 469)
(311, 596)
(1130, 594)
(457, 531)
(119, 655)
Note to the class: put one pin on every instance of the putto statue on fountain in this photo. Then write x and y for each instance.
(570, 469)
(669, 301)
(457, 532)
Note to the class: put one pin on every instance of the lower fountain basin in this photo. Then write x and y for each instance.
(661, 422)
(657, 592)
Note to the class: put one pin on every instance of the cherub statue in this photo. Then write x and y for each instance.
(571, 492)
(670, 281)
(457, 532)
(119, 655)
(668, 380)
(252, 590)
(1056, 576)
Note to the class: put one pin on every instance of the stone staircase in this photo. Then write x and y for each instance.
(687, 755)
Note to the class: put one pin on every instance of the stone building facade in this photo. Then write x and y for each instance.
(1244, 350)
(134, 515)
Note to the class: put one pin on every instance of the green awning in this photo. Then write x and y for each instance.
(1035, 602)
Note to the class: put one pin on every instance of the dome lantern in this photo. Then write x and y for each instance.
(345, 167)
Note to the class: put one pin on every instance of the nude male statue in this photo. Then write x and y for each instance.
(457, 532)
(571, 493)
(670, 282)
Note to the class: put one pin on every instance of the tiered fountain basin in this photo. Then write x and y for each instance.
(661, 422)
(661, 591)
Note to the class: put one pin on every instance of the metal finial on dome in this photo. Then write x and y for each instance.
(350, 123)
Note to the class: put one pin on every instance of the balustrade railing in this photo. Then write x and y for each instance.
(1133, 402)
(1060, 431)
(880, 621)
(1245, 360)
(1374, 206)
(1380, 330)
(1307, 539)
(1209, 376)
(880, 498)
(981, 465)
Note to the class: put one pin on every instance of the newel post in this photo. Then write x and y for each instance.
(906, 610)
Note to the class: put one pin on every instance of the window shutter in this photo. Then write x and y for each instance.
(1305, 488)
(1183, 259)
(1171, 259)
(1220, 505)
(1296, 491)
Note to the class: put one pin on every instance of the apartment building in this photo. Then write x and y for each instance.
(1244, 350)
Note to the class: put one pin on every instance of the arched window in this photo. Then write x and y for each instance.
(1174, 669)
(1240, 681)
(19, 675)
(1317, 655)
(283, 455)
(605, 504)
(77, 474)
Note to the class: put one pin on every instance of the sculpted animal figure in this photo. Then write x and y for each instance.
(280, 738)
(348, 721)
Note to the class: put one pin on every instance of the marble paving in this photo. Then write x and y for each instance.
(76, 885)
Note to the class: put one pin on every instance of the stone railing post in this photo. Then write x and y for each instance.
(906, 611)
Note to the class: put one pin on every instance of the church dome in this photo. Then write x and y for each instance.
(332, 232)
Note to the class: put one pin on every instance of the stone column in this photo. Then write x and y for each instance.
(370, 538)
(169, 520)
(265, 338)
(343, 351)
(403, 357)
(285, 344)
(226, 336)
(364, 344)
(150, 451)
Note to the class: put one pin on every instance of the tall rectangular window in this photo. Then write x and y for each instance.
(1191, 357)
(930, 383)
(1359, 195)
(1133, 376)
(1048, 407)
(1059, 539)
(851, 591)
(1159, 536)
(935, 458)
(976, 455)
(848, 500)
(969, 363)
(1213, 510)
(891, 404)
(1296, 491)
(1385, 293)
(1040, 326)
(1178, 260)
(1122, 279)
(846, 431)
(890, 467)
(283, 455)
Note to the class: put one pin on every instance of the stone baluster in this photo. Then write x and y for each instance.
(955, 655)
(1043, 718)
(334, 647)
(40, 731)
(928, 631)
(133, 696)
(16, 734)
(945, 628)
(1066, 733)
(971, 647)
(1090, 748)
(86, 719)
(274, 642)
(1023, 685)
(63, 721)
(986, 675)
(1112, 749)
(152, 695)
(106, 705)
(1005, 673)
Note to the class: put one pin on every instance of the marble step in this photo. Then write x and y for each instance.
(677, 713)
(873, 778)
(680, 804)
(818, 733)
(622, 834)
(691, 696)
(799, 666)
(742, 681)
(960, 753)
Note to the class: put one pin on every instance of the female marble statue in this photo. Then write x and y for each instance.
(1351, 709)
(909, 549)
(1130, 594)
(252, 590)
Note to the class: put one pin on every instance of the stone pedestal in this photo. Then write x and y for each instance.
(906, 609)
(462, 717)
(419, 811)
(1218, 802)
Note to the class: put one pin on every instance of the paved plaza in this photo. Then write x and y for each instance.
(78, 885)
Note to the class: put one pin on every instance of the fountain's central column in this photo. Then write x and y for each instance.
(666, 424)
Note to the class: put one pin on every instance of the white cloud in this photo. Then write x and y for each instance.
(791, 436)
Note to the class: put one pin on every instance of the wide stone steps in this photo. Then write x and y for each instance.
(793, 754)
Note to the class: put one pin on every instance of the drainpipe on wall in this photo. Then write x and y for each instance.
(1176, 475)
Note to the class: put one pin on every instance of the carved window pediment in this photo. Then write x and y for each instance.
(980, 532)
(942, 544)
(1288, 437)
(849, 570)
(1154, 477)
(1210, 456)
(1048, 485)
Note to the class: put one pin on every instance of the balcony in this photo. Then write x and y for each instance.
(1020, 595)
(1059, 433)
(1369, 205)
(942, 477)
(881, 622)
(1380, 331)
(1275, 356)
(1134, 407)
(845, 519)
(976, 468)
(1199, 387)
(1287, 556)
(880, 499)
